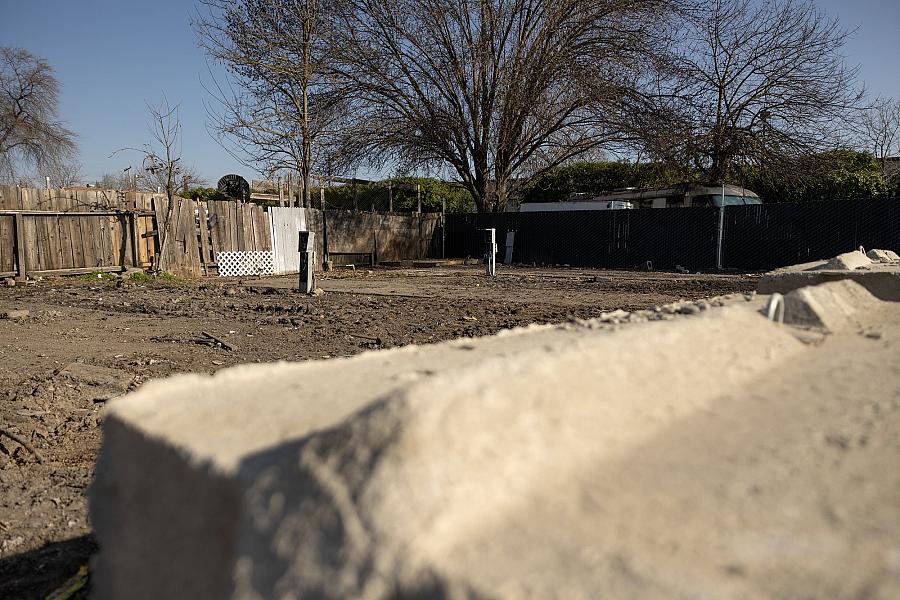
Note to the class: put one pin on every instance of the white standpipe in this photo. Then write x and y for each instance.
(490, 252)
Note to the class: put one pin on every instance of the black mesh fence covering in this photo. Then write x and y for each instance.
(768, 236)
(614, 239)
(754, 238)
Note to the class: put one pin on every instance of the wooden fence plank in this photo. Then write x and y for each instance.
(205, 257)
(78, 255)
(245, 231)
(43, 243)
(21, 247)
(250, 226)
(116, 238)
(33, 234)
(176, 247)
(231, 221)
(146, 245)
(101, 233)
(121, 241)
(94, 239)
(65, 243)
(7, 194)
(54, 231)
(238, 227)
(74, 238)
(197, 266)
(213, 220)
(87, 241)
(189, 255)
(7, 243)
(227, 222)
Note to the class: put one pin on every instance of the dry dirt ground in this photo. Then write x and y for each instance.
(86, 340)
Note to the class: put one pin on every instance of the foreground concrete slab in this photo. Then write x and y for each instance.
(676, 459)
(881, 277)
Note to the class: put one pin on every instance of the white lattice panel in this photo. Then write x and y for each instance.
(248, 262)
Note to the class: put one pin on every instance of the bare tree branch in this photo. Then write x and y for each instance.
(275, 109)
(162, 164)
(63, 173)
(879, 133)
(751, 84)
(499, 90)
(31, 137)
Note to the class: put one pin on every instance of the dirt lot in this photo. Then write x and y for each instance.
(87, 340)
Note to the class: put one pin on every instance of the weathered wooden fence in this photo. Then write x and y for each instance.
(13, 198)
(70, 231)
(47, 243)
(386, 237)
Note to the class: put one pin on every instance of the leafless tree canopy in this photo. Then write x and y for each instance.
(277, 54)
(880, 134)
(498, 90)
(31, 136)
(752, 83)
(63, 173)
(162, 166)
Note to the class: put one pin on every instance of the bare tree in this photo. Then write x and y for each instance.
(181, 177)
(31, 136)
(275, 109)
(497, 91)
(880, 135)
(162, 166)
(63, 173)
(115, 181)
(752, 83)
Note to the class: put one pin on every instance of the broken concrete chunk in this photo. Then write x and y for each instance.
(884, 256)
(847, 261)
(830, 306)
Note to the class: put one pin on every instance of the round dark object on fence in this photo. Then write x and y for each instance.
(234, 186)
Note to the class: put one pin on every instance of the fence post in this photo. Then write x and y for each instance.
(390, 197)
(21, 271)
(443, 226)
(719, 257)
(135, 247)
(419, 198)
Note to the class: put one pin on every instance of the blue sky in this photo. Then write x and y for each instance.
(113, 57)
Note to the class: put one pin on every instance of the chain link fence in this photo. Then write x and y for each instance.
(753, 238)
